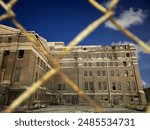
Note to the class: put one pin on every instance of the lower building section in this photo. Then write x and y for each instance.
(101, 99)
(43, 98)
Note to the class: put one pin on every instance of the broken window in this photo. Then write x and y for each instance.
(127, 55)
(126, 73)
(21, 54)
(6, 53)
(114, 86)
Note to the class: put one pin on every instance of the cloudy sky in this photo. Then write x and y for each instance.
(62, 20)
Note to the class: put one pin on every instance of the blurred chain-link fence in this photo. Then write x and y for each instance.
(108, 15)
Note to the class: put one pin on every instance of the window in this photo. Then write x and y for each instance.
(22, 39)
(17, 75)
(114, 86)
(98, 73)
(0, 39)
(86, 85)
(90, 64)
(59, 86)
(128, 86)
(112, 73)
(9, 39)
(38, 60)
(104, 85)
(117, 73)
(131, 73)
(90, 73)
(97, 63)
(21, 54)
(127, 55)
(126, 73)
(115, 63)
(133, 85)
(36, 77)
(85, 64)
(110, 63)
(99, 86)
(133, 54)
(105, 98)
(91, 86)
(103, 73)
(103, 64)
(85, 73)
(63, 86)
(102, 55)
(120, 98)
(6, 53)
(119, 85)
(124, 63)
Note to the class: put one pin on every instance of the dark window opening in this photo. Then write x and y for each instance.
(6, 53)
(59, 86)
(9, 39)
(21, 54)
(127, 54)
(124, 63)
(114, 87)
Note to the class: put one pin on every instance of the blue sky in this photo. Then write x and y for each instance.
(62, 20)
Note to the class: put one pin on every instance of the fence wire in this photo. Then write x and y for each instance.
(108, 15)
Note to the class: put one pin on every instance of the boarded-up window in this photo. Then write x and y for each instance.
(17, 75)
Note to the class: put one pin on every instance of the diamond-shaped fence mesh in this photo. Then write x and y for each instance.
(108, 15)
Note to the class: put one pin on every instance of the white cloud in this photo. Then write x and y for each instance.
(129, 18)
(144, 84)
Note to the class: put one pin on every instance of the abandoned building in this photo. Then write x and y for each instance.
(21, 64)
(108, 74)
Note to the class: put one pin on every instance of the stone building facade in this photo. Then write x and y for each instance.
(108, 74)
(21, 64)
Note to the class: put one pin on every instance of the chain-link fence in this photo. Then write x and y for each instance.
(108, 15)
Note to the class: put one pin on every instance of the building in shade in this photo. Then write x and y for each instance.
(147, 94)
(108, 74)
(21, 64)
